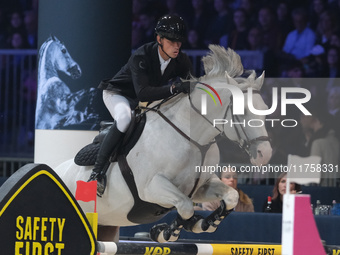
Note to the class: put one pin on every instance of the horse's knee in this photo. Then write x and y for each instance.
(185, 209)
(231, 199)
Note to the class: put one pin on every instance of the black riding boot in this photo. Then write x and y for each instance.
(108, 145)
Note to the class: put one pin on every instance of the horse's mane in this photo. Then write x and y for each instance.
(220, 62)
(44, 45)
(43, 48)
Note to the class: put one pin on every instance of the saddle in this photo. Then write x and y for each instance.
(87, 155)
(142, 211)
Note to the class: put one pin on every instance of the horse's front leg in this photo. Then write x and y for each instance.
(214, 190)
(161, 191)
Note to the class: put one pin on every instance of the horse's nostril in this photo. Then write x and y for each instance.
(74, 71)
(260, 153)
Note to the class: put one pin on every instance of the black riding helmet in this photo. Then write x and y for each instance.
(171, 27)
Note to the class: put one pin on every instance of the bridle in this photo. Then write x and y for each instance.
(242, 143)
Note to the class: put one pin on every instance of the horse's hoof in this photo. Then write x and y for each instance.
(189, 224)
(157, 233)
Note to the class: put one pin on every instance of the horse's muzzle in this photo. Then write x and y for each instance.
(75, 72)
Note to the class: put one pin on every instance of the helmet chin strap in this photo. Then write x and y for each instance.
(163, 49)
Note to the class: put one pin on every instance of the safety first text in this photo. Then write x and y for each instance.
(39, 235)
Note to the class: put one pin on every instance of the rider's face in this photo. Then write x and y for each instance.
(170, 47)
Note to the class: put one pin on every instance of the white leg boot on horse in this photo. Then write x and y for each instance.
(109, 144)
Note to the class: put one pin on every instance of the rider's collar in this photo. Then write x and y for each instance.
(163, 63)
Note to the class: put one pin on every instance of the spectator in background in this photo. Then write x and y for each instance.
(279, 156)
(314, 64)
(245, 204)
(278, 192)
(284, 20)
(335, 40)
(220, 24)
(18, 41)
(333, 103)
(16, 24)
(255, 42)
(272, 36)
(300, 41)
(31, 25)
(200, 17)
(321, 140)
(249, 6)
(147, 23)
(194, 41)
(327, 26)
(237, 39)
(317, 7)
(294, 69)
(332, 67)
(255, 39)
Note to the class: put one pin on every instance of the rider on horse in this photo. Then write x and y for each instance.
(144, 78)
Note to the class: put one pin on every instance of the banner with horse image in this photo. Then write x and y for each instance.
(59, 107)
(80, 43)
(77, 51)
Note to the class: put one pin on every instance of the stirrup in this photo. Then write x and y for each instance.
(101, 182)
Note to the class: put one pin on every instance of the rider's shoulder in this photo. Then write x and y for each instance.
(146, 49)
(143, 56)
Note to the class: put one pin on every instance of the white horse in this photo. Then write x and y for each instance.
(55, 101)
(164, 159)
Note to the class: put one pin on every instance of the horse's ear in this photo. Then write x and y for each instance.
(259, 81)
(230, 80)
(54, 38)
(252, 76)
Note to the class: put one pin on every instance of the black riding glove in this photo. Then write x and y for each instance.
(180, 86)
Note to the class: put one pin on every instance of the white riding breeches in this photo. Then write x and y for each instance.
(119, 109)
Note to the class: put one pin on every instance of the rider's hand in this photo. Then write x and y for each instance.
(180, 86)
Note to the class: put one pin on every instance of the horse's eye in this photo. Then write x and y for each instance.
(63, 51)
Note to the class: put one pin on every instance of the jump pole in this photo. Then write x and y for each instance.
(152, 248)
